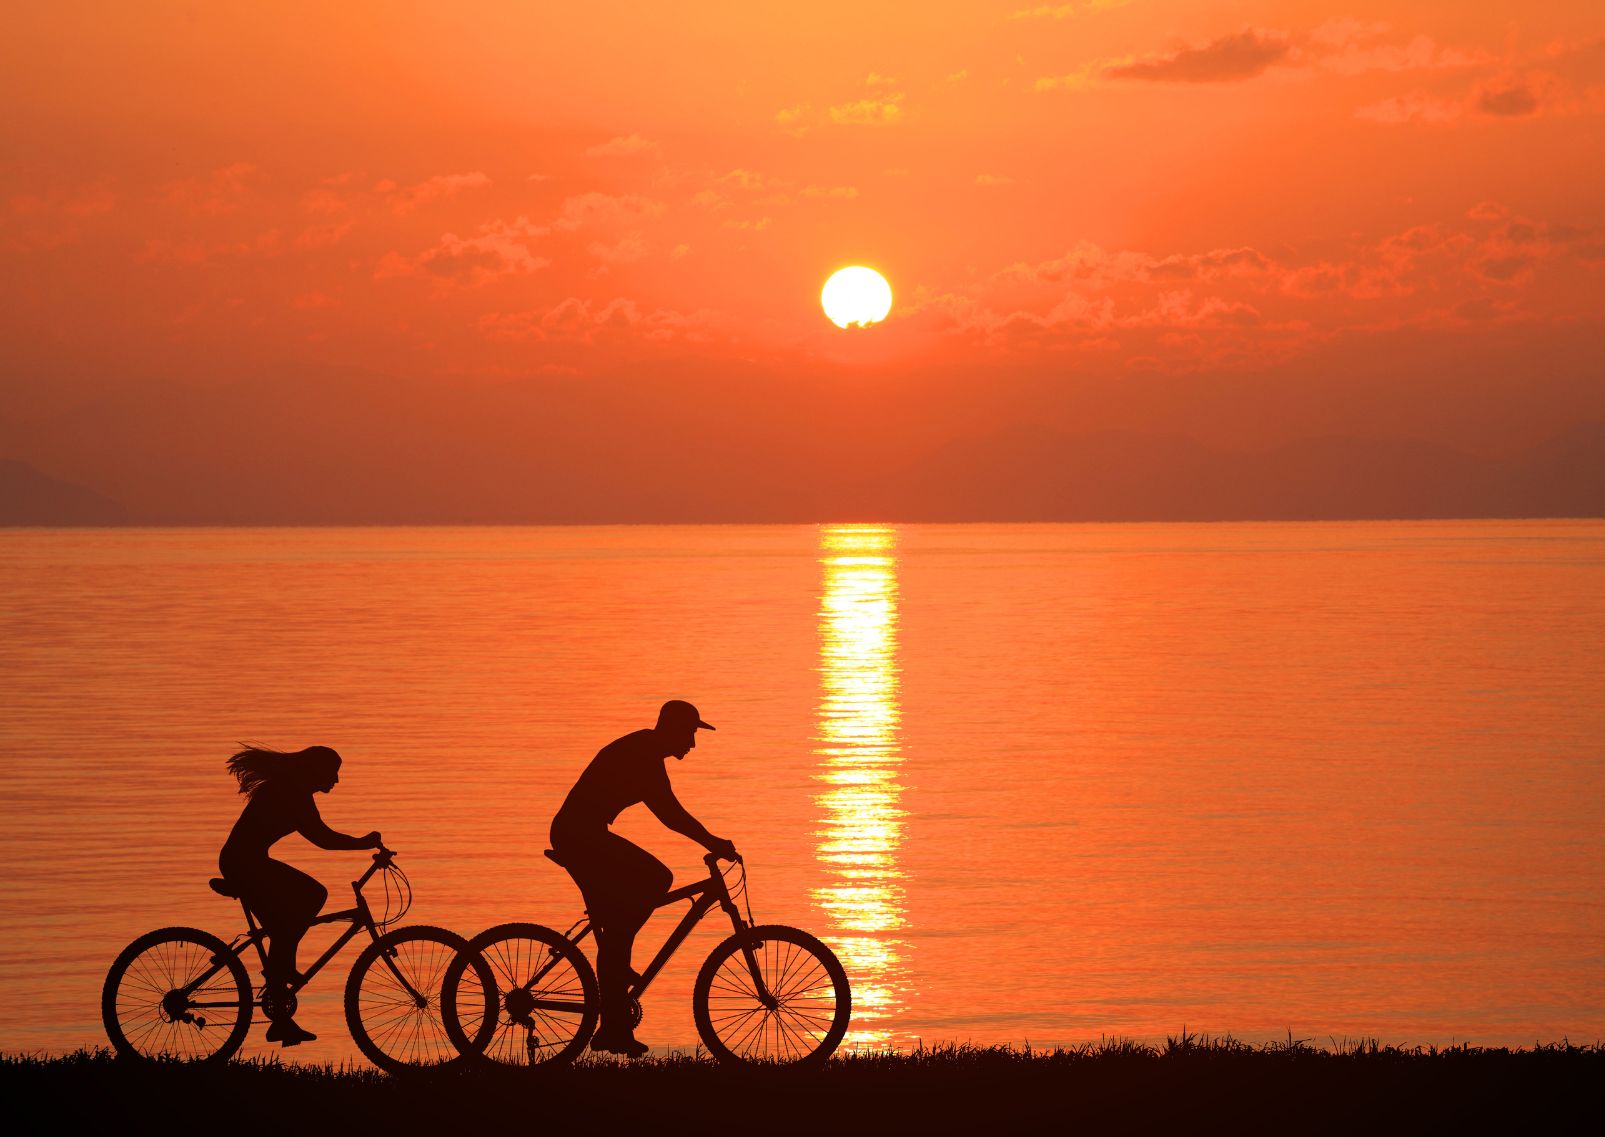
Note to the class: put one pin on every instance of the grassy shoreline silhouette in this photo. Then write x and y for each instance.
(1116, 1085)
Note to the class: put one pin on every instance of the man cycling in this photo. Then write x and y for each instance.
(622, 883)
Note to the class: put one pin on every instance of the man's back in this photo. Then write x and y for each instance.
(625, 772)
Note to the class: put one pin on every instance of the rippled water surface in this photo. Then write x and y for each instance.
(1031, 782)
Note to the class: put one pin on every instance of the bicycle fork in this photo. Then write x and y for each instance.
(419, 999)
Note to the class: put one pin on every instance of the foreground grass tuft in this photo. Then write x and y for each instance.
(1114, 1086)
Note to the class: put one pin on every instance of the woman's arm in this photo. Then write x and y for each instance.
(314, 829)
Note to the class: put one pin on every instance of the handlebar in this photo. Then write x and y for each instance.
(712, 860)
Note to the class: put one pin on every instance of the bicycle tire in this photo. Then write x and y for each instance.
(394, 1029)
(547, 1027)
(813, 1001)
(135, 1007)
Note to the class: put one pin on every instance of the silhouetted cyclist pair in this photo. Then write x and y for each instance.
(621, 882)
(517, 994)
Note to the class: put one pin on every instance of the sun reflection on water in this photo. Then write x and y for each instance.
(861, 825)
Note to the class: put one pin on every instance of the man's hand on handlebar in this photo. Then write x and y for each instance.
(719, 847)
(372, 840)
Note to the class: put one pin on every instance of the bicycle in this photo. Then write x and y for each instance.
(184, 993)
(767, 994)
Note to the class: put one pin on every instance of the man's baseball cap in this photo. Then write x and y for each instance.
(681, 714)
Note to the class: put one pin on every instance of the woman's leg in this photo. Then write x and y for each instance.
(286, 900)
(297, 900)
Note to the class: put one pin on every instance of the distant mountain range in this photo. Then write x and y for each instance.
(28, 497)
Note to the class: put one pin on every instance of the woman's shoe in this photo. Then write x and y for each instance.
(286, 1032)
(626, 1044)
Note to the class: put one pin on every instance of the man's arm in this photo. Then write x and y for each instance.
(667, 809)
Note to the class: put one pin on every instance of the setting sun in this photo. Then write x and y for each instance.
(856, 296)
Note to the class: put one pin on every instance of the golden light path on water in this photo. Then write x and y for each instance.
(861, 822)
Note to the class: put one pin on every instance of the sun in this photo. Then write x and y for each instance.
(856, 296)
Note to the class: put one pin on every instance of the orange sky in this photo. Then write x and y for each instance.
(1243, 221)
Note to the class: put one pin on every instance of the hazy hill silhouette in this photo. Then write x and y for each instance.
(356, 448)
(29, 497)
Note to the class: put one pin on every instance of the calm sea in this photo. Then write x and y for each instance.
(1038, 783)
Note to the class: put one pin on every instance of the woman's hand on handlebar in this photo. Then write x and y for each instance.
(372, 840)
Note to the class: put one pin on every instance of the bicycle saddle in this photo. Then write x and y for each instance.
(551, 855)
(224, 888)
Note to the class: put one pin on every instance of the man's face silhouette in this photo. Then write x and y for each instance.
(680, 741)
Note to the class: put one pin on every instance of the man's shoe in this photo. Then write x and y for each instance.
(286, 1032)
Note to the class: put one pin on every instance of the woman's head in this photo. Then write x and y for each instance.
(315, 769)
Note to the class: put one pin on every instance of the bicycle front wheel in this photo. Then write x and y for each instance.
(772, 995)
(393, 999)
(538, 1003)
(177, 993)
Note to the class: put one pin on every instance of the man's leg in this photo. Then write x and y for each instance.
(615, 944)
(636, 881)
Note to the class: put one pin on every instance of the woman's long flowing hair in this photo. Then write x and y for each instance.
(257, 766)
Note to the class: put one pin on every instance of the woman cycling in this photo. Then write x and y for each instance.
(286, 900)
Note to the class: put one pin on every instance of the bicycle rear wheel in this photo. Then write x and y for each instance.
(177, 993)
(798, 1015)
(393, 999)
(538, 1003)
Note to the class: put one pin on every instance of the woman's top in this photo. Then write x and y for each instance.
(276, 810)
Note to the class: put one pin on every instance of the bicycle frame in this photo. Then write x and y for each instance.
(704, 895)
(359, 917)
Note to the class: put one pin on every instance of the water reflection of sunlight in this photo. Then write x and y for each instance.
(862, 822)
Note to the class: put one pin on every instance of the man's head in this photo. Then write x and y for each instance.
(678, 723)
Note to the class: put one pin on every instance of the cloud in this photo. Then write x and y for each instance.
(1416, 106)
(1065, 11)
(1339, 47)
(498, 249)
(222, 191)
(838, 192)
(53, 220)
(1242, 56)
(1511, 251)
(794, 120)
(437, 188)
(874, 110)
(190, 251)
(627, 249)
(1077, 80)
(1510, 96)
(1179, 309)
(1349, 47)
(1504, 96)
(744, 179)
(627, 146)
(1099, 267)
(993, 180)
(589, 210)
(575, 320)
(320, 236)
